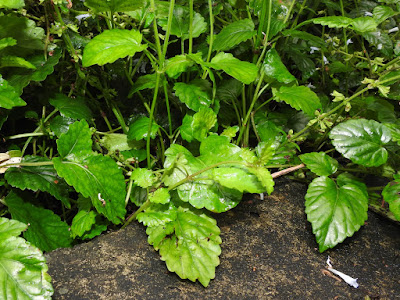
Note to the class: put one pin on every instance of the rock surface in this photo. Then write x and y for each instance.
(268, 252)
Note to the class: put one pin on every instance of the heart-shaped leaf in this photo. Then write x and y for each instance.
(362, 141)
(74, 108)
(23, 269)
(336, 210)
(111, 45)
(190, 245)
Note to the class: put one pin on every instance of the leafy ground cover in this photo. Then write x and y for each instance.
(160, 111)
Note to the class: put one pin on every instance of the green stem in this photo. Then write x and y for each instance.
(134, 215)
(266, 37)
(152, 109)
(246, 119)
(211, 31)
(23, 135)
(115, 109)
(25, 164)
(169, 24)
(168, 108)
(190, 26)
(156, 36)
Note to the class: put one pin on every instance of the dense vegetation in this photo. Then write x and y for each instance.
(160, 111)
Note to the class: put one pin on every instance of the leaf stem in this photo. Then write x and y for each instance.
(23, 135)
(134, 215)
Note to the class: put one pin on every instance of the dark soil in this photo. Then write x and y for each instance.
(268, 252)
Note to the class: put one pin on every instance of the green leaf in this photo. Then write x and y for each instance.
(312, 39)
(362, 141)
(335, 211)
(114, 5)
(115, 142)
(9, 98)
(74, 108)
(320, 163)
(364, 24)
(76, 144)
(46, 230)
(178, 64)
(381, 13)
(15, 61)
(274, 68)
(234, 34)
(238, 179)
(82, 222)
(190, 245)
(7, 42)
(181, 21)
(265, 178)
(143, 177)
(43, 178)
(158, 214)
(13, 4)
(139, 129)
(391, 194)
(202, 122)
(143, 82)
(241, 70)
(9, 228)
(99, 178)
(194, 95)
(160, 196)
(300, 98)
(266, 150)
(186, 129)
(333, 21)
(60, 125)
(96, 230)
(23, 269)
(230, 131)
(111, 45)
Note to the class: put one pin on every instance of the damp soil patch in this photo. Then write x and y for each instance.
(268, 252)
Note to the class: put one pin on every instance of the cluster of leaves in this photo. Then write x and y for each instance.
(163, 110)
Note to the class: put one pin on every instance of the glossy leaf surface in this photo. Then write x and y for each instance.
(74, 108)
(362, 141)
(320, 163)
(335, 210)
(23, 269)
(139, 129)
(9, 98)
(194, 95)
(111, 45)
(274, 67)
(391, 194)
(190, 245)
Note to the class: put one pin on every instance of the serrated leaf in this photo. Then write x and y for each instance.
(60, 125)
(391, 194)
(320, 163)
(181, 21)
(362, 141)
(265, 178)
(266, 150)
(202, 122)
(364, 24)
(189, 245)
(241, 70)
(15, 61)
(99, 178)
(96, 230)
(139, 129)
(274, 68)
(43, 178)
(186, 129)
(82, 222)
(160, 196)
(9, 98)
(23, 269)
(111, 45)
(178, 64)
(335, 211)
(158, 214)
(194, 95)
(234, 34)
(143, 177)
(381, 13)
(333, 21)
(300, 98)
(76, 144)
(46, 230)
(143, 82)
(230, 131)
(114, 5)
(12, 4)
(9, 228)
(74, 108)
